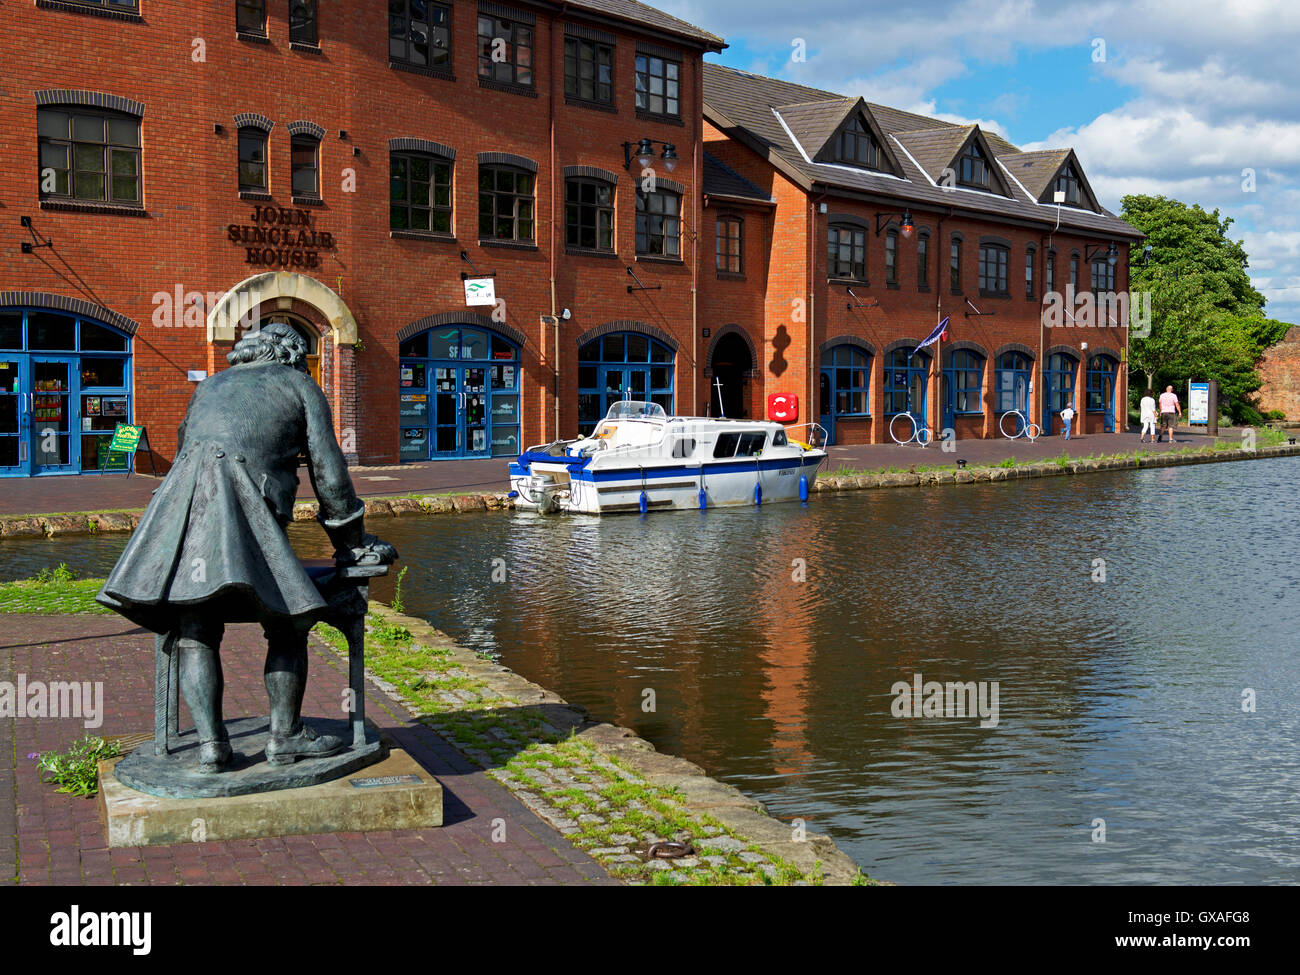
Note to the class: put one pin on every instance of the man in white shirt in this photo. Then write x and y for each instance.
(1147, 410)
(1067, 417)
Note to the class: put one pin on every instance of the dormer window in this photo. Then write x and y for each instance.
(857, 146)
(1068, 183)
(973, 168)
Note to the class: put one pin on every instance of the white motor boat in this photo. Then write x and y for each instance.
(638, 458)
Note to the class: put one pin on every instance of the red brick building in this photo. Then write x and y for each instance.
(860, 227)
(175, 174)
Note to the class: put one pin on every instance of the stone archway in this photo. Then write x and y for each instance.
(241, 303)
(254, 298)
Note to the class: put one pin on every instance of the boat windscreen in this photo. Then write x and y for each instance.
(630, 409)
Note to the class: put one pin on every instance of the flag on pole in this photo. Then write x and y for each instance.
(938, 335)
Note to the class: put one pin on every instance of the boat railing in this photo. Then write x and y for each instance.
(550, 448)
(817, 435)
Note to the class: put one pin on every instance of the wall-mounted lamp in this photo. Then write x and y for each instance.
(904, 221)
(1145, 259)
(1111, 252)
(645, 154)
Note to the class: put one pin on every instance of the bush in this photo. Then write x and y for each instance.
(1276, 414)
(60, 574)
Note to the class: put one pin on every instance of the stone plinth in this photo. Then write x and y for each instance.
(395, 793)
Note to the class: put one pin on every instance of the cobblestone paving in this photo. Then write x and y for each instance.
(51, 838)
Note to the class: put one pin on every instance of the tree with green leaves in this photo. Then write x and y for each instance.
(1207, 319)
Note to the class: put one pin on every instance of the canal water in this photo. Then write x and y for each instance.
(1147, 726)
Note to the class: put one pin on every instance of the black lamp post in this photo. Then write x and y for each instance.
(644, 153)
(904, 221)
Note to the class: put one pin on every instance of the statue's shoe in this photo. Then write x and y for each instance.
(305, 744)
(214, 756)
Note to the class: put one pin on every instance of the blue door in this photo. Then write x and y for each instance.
(1058, 390)
(1101, 389)
(459, 395)
(53, 382)
(15, 421)
(949, 401)
(825, 407)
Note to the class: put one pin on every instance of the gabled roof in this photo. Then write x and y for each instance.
(815, 126)
(721, 180)
(756, 111)
(1041, 170)
(631, 10)
(1036, 171)
(935, 149)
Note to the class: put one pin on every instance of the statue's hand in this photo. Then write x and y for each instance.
(372, 551)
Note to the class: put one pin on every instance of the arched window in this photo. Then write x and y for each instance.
(459, 394)
(505, 204)
(588, 214)
(905, 383)
(964, 375)
(252, 160)
(622, 365)
(1050, 274)
(304, 165)
(847, 252)
(923, 262)
(1101, 389)
(659, 224)
(65, 385)
(994, 269)
(1013, 373)
(847, 371)
(419, 192)
(89, 154)
(891, 259)
(954, 265)
(1030, 256)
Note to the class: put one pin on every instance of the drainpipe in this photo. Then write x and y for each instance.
(697, 177)
(555, 347)
(812, 380)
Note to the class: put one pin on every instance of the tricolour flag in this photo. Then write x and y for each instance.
(939, 334)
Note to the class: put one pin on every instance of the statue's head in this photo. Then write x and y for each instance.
(276, 342)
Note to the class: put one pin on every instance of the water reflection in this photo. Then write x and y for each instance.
(1120, 701)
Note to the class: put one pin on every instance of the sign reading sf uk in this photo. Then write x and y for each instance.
(280, 237)
(480, 291)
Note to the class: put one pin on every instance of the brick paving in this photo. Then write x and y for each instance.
(50, 838)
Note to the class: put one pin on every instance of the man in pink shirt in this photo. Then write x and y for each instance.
(1170, 410)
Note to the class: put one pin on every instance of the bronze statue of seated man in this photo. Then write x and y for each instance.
(212, 548)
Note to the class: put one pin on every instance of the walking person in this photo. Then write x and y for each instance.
(1067, 417)
(1170, 411)
(1147, 414)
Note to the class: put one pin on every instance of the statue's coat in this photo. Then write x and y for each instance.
(214, 533)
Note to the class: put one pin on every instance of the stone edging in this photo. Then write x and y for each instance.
(379, 507)
(621, 750)
(858, 482)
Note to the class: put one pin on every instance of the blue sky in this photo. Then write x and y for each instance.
(1172, 97)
